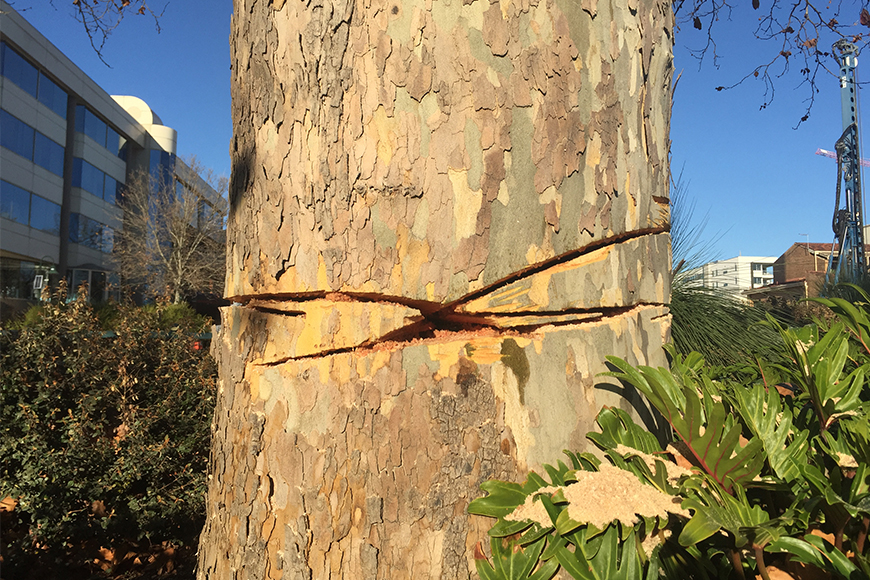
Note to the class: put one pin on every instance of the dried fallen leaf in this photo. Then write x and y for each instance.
(478, 552)
(7, 504)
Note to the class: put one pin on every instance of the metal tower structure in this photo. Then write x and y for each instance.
(832, 155)
(848, 221)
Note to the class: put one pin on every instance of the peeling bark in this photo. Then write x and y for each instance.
(443, 216)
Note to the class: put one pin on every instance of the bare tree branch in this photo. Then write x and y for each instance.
(797, 30)
(173, 236)
(101, 17)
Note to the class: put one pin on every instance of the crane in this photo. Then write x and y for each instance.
(833, 155)
(848, 221)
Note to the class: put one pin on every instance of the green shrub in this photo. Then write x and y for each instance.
(104, 437)
(780, 472)
(174, 314)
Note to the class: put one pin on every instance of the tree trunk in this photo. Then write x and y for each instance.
(443, 216)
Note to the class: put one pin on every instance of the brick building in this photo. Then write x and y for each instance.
(802, 261)
(799, 272)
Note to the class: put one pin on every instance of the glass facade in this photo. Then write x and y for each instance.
(21, 138)
(15, 68)
(90, 125)
(14, 203)
(87, 177)
(110, 190)
(162, 168)
(101, 285)
(18, 278)
(90, 233)
(16, 135)
(97, 129)
(29, 209)
(48, 154)
(94, 181)
(19, 71)
(52, 96)
(44, 215)
(113, 141)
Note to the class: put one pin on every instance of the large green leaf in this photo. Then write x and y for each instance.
(820, 371)
(841, 492)
(514, 562)
(617, 428)
(854, 317)
(769, 421)
(503, 497)
(709, 432)
(715, 510)
(820, 553)
(603, 557)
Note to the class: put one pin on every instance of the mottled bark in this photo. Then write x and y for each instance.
(443, 216)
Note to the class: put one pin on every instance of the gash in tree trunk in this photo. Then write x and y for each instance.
(444, 214)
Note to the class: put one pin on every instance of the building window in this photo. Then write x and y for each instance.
(31, 210)
(15, 68)
(48, 154)
(90, 125)
(108, 240)
(16, 135)
(110, 190)
(87, 177)
(90, 233)
(21, 138)
(44, 215)
(101, 285)
(98, 130)
(94, 181)
(162, 168)
(52, 96)
(14, 203)
(18, 70)
(19, 278)
(113, 141)
(756, 281)
(85, 231)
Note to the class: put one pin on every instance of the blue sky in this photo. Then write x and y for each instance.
(183, 72)
(749, 170)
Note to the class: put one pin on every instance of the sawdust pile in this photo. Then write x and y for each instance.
(600, 497)
(533, 509)
(674, 471)
(615, 494)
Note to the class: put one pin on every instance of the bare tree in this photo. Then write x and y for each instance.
(799, 32)
(173, 236)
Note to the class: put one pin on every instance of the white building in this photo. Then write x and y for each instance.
(735, 274)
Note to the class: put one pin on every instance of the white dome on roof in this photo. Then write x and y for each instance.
(164, 137)
(138, 109)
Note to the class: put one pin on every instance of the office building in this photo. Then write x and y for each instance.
(66, 150)
(734, 275)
